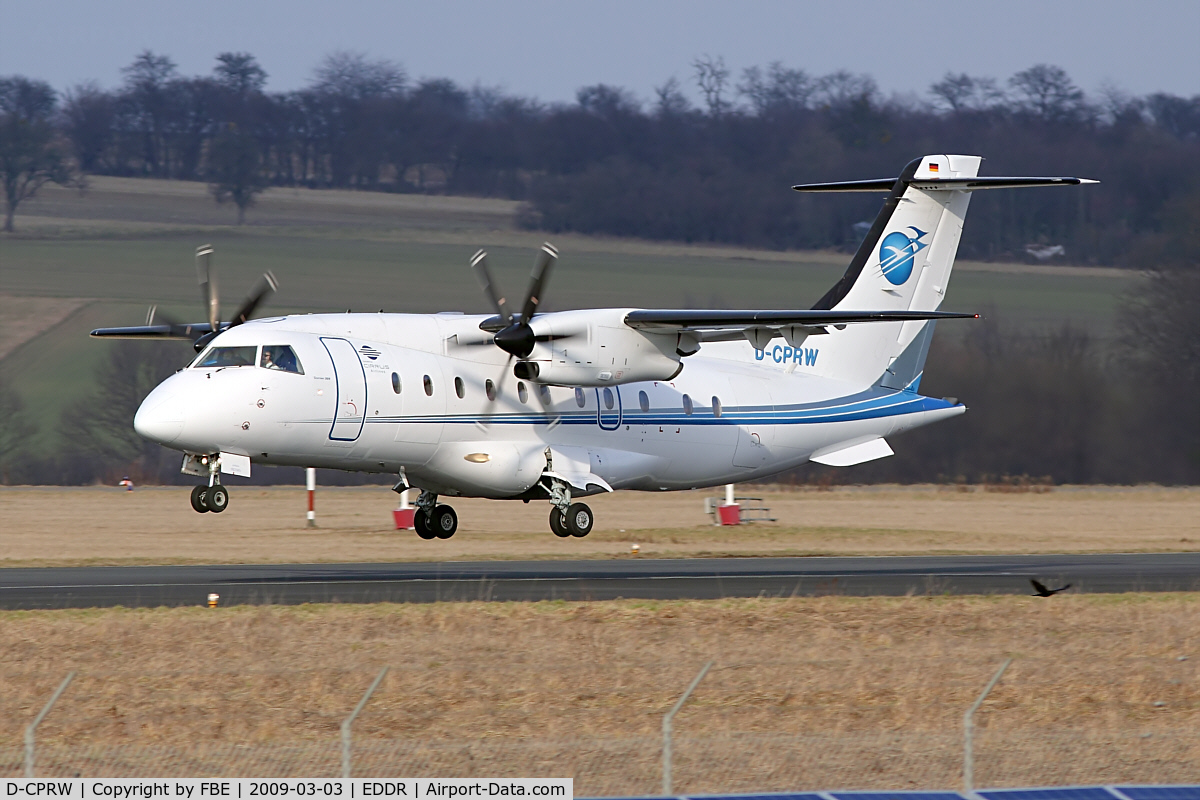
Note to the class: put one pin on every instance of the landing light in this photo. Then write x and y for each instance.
(478, 458)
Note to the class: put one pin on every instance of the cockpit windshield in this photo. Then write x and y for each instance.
(280, 357)
(227, 357)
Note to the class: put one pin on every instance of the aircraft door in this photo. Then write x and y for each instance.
(756, 421)
(608, 408)
(351, 409)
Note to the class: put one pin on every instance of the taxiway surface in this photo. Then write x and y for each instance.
(419, 582)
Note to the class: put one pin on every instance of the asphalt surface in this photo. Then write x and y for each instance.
(87, 587)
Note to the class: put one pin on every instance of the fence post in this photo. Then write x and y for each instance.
(31, 727)
(667, 728)
(350, 719)
(969, 729)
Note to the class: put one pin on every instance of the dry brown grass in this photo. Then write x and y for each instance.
(103, 525)
(465, 671)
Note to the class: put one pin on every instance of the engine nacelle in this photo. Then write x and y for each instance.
(597, 348)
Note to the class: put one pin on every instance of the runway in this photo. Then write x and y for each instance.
(87, 587)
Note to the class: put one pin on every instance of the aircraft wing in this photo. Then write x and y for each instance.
(663, 320)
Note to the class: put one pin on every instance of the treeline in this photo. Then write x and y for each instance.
(665, 169)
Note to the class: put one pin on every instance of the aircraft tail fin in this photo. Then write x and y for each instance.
(904, 264)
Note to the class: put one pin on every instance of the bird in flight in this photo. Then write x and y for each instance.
(1040, 589)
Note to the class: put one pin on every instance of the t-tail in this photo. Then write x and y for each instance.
(903, 264)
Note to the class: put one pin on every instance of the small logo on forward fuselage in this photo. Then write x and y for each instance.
(369, 352)
(896, 254)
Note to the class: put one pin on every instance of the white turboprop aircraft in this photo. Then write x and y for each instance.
(561, 405)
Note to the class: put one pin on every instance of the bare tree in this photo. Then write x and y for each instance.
(354, 76)
(670, 100)
(89, 120)
(1047, 92)
(963, 92)
(712, 76)
(240, 73)
(29, 155)
(235, 169)
(779, 90)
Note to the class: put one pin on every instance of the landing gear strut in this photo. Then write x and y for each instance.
(211, 496)
(567, 518)
(434, 521)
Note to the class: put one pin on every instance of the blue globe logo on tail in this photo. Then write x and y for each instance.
(896, 254)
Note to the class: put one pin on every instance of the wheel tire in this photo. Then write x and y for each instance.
(198, 499)
(558, 523)
(579, 519)
(216, 498)
(445, 522)
(421, 523)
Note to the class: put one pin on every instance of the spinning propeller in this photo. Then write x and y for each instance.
(516, 337)
(199, 333)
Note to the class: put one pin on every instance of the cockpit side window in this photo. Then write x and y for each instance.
(218, 357)
(280, 357)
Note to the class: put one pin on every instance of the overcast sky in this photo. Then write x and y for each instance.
(550, 49)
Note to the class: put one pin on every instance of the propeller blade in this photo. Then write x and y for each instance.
(541, 273)
(484, 276)
(150, 315)
(266, 285)
(208, 284)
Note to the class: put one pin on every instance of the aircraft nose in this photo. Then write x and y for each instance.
(160, 416)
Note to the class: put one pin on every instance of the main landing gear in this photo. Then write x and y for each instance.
(434, 521)
(567, 518)
(213, 498)
(576, 522)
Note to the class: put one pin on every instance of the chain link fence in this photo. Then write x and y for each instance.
(758, 724)
(701, 765)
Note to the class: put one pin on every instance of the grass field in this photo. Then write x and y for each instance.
(1117, 673)
(127, 243)
(99, 525)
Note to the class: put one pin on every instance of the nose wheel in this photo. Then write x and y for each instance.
(210, 498)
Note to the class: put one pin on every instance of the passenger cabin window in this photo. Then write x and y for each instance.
(459, 388)
(522, 392)
(716, 406)
(428, 385)
(396, 386)
(544, 394)
(228, 357)
(280, 357)
(687, 405)
(490, 389)
(644, 402)
(580, 398)
(609, 401)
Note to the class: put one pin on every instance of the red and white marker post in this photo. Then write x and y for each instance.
(729, 513)
(310, 477)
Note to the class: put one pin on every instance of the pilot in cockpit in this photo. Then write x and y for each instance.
(280, 357)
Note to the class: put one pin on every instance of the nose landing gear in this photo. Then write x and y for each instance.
(213, 498)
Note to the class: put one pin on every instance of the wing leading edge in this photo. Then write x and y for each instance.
(713, 320)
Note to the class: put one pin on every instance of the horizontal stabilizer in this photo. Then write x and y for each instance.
(840, 455)
(942, 184)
